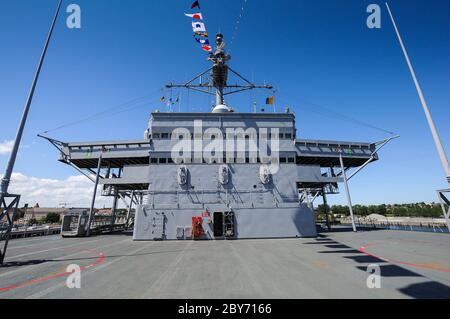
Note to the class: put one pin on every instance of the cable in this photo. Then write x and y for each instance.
(237, 25)
(132, 104)
(329, 112)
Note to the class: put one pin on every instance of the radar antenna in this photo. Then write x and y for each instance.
(219, 76)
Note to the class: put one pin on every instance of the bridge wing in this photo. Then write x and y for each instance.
(327, 153)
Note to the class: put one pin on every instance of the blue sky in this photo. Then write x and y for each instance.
(313, 52)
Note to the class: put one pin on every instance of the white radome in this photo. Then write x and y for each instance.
(221, 108)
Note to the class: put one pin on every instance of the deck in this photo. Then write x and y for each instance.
(413, 265)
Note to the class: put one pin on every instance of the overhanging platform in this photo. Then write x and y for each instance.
(327, 153)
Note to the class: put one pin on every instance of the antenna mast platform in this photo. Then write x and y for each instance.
(219, 78)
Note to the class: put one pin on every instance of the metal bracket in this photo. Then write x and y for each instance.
(445, 201)
(378, 146)
(7, 210)
(201, 87)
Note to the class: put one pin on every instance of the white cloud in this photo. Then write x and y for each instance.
(75, 191)
(6, 147)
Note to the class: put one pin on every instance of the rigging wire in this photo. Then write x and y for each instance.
(127, 106)
(334, 114)
(237, 25)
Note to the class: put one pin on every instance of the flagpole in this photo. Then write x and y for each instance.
(434, 132)
(8, 210)
(12, 160)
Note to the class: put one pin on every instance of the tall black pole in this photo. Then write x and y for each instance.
(12, 159)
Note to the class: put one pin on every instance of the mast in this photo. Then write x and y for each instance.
(219, 60)
(8, 210)
(434, 132)
(219, 78)
(433, 129)
(12, 159)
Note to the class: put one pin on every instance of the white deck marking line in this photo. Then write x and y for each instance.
(39, 242)
(55, 248)
(65, 256)
(46, 250)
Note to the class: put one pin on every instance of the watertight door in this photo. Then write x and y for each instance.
(218, 224)
(159, 226)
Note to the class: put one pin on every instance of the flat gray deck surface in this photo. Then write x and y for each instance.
(413, 265)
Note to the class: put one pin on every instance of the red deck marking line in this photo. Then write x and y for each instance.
(423, 266)
(100, 260)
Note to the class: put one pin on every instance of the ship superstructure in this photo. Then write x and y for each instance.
(217, 175)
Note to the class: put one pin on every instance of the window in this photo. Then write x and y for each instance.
(288, 136)
(156, 136)
(165, 136)
(163, 161)
(281, 136)
(283, 160)
(291, 160)
(154, 160)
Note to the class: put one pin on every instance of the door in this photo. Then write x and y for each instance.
(158, 225)
(218, 224)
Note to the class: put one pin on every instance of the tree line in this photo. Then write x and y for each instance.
(432, 210)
